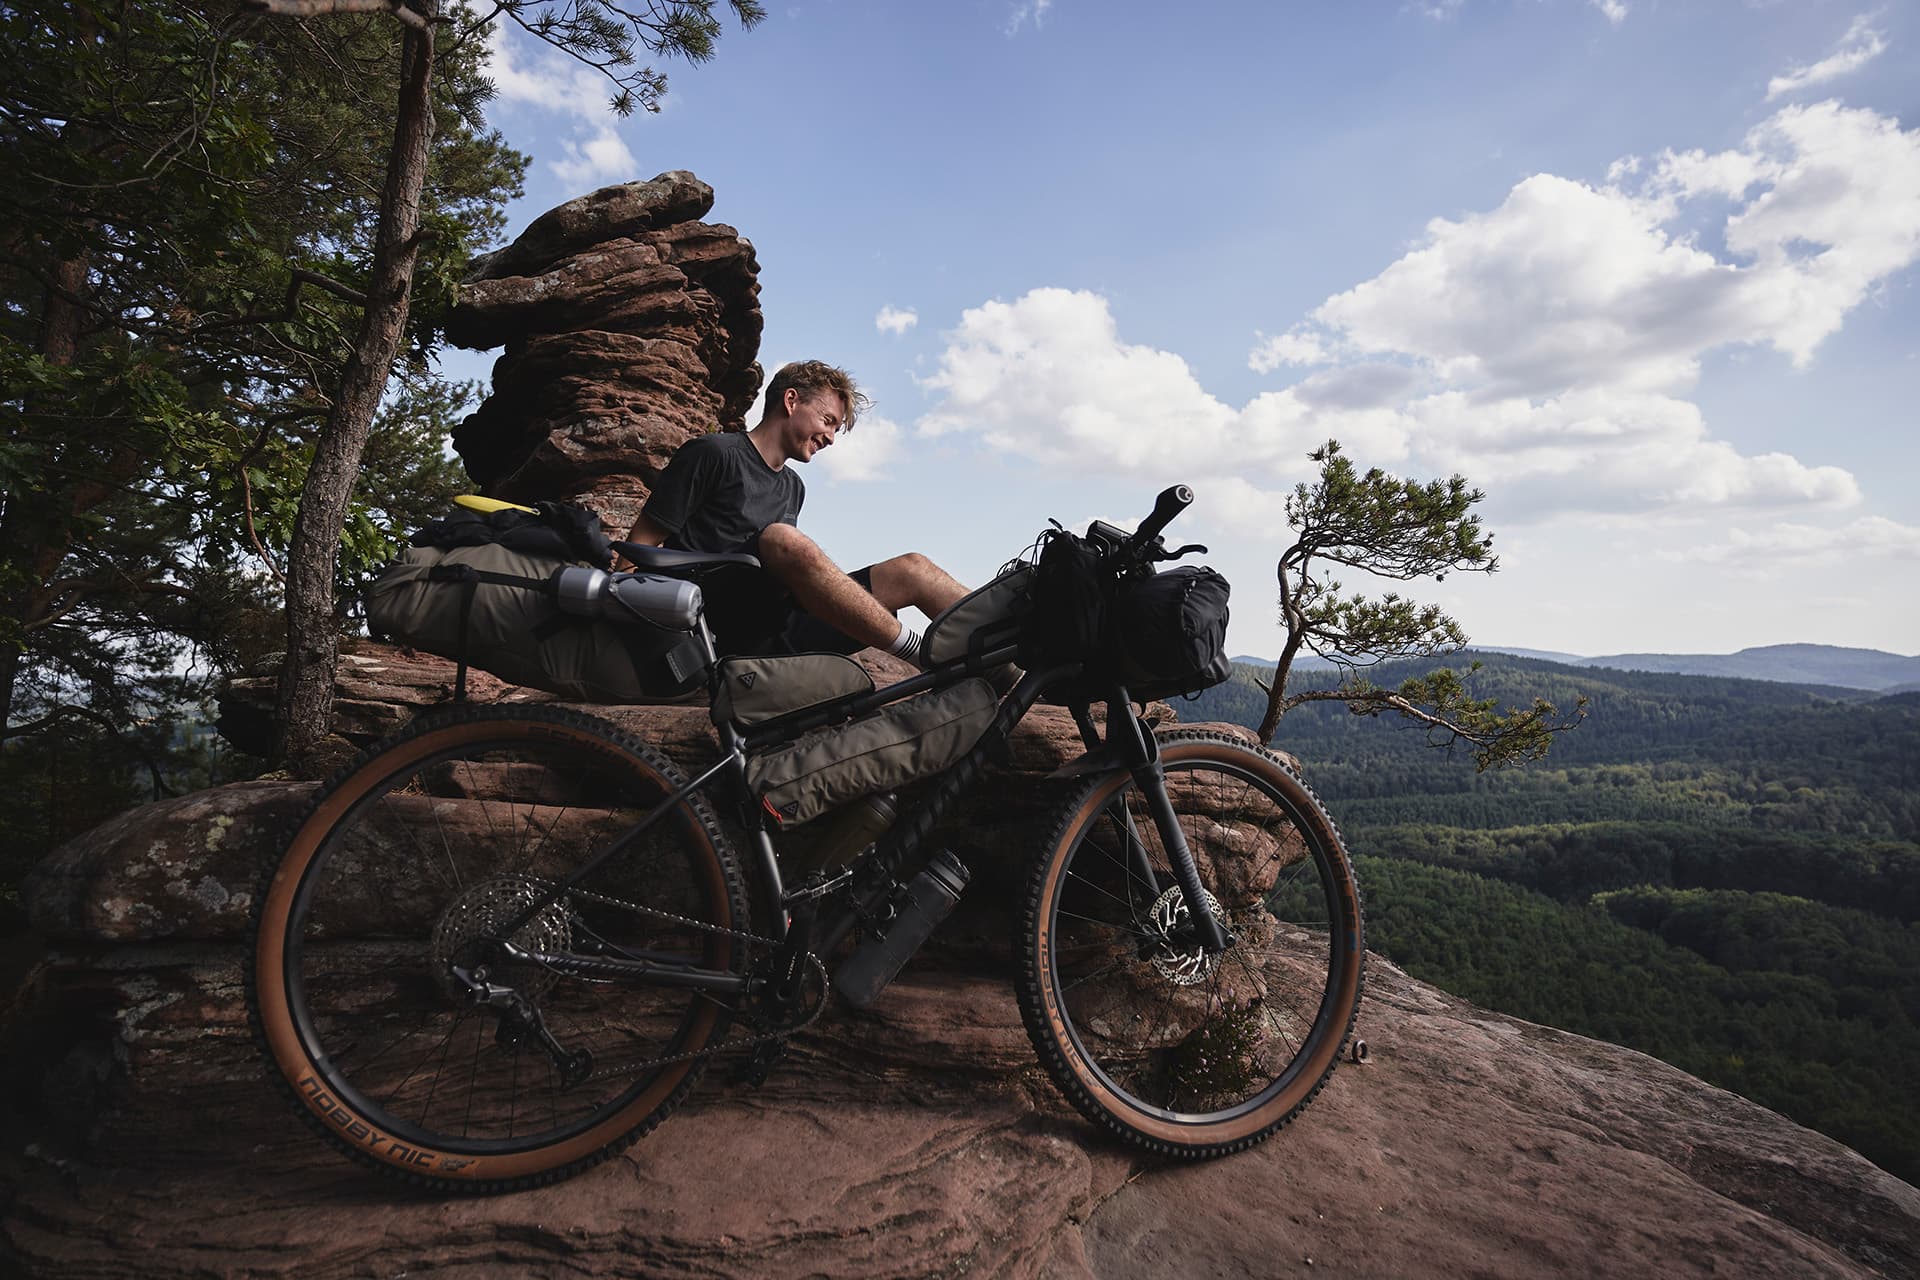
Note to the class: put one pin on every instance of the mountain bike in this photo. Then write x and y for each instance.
(507, 942)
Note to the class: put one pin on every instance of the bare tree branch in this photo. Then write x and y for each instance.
(322, 8)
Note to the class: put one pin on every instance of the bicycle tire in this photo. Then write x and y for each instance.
(412, 856)
(1168, 1049)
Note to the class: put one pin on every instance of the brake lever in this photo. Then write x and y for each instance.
(1192, 548)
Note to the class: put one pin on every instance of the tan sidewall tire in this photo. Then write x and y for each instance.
(336, 1116)
(1095, 1097)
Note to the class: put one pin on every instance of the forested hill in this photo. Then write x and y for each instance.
(1722, 872)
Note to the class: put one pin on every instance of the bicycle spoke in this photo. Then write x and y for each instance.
(1166, 1025)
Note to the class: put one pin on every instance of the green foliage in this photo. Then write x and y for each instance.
(1724, 873)
(1399, 530)
(1823, 1033)
(187, 226)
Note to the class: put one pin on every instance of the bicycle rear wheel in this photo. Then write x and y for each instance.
(1175, 1050)
(380, 919)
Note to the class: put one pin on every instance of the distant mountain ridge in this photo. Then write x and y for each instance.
(1874, 670)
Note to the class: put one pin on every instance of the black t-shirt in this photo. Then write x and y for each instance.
(718, 493)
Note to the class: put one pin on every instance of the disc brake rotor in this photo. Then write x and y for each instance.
(1185, 963)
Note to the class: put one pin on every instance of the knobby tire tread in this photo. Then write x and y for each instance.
(437, 721)
(1030, 979)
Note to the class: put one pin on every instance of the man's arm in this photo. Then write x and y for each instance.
(646, 532)
(679, 491)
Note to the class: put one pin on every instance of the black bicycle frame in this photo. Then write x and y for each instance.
(874, 878)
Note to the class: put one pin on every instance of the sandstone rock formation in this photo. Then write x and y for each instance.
(629, 328)
(919, 1137)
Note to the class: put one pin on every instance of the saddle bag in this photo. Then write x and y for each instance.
(481, 590)
(889, 748)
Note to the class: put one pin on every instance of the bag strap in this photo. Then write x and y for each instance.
(470, 579)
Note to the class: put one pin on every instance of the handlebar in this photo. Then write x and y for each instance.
(1172, 501)
(1127, 552)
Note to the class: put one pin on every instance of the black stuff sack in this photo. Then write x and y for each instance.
(1069, 590)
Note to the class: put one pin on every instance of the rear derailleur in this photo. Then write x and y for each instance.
(521, 1022)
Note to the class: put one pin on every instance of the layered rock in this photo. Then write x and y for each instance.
(917, 1137)
(629, 327)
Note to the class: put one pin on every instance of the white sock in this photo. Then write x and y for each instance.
(906, 644)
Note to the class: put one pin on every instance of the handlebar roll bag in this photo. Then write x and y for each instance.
(1167, 633)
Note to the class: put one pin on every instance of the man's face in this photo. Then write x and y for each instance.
(811, 424)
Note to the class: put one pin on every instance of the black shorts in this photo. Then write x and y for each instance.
(752, 613)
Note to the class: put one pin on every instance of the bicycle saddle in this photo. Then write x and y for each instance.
(661, 559)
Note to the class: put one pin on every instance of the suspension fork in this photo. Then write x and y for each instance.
(1142, 865)
(1143, 752)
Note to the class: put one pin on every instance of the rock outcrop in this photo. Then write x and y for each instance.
(918, 1137)
(629, 327)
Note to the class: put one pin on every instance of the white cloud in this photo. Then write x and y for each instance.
(1868, 538)
(893, 319)
(866, 452)
(601, 158)
(1861, 45)
(1544, 348)
(1298, 345)
(1025, 11)
(526, 71)
(1615, 11)
(1567, 285)
(1606, 450)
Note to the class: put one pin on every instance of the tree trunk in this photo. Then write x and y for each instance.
(1277, 691)
(306, 681)
(36, 547)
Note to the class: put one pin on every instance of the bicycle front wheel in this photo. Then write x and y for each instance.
(404, 1030)
(1176, 1050)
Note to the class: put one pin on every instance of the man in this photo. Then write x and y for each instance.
(735, 491)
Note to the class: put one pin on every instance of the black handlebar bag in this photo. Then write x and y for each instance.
(1167, 634)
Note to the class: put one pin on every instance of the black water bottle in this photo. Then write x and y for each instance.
(923, 904)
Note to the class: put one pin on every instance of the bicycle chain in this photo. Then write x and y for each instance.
(611, 1073)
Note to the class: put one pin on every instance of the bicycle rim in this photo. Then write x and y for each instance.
(1147, 1034)
(399, 875)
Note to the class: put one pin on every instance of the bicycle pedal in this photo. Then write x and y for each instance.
(758, 1065)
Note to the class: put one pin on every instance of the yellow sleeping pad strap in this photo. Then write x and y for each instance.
(474, 502)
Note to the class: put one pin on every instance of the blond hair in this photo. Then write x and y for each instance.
(810, 377)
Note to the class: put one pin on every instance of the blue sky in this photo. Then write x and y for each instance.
(1643, 272)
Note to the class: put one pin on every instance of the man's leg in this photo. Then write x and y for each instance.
(912, 579)
(819, 586)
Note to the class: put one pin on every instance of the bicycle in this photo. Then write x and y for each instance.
(507, 942)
